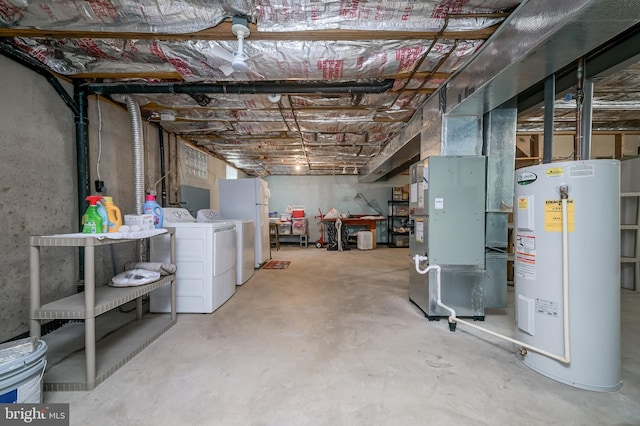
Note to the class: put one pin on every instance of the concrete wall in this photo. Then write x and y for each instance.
(38, 190)
(325, 192)
(111, 159)
(216, 169)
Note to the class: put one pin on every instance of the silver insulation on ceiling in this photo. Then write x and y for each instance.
(616, 106)
(322, 133)
(185, 16)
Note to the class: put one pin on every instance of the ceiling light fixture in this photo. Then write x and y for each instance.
(355, 170)
(344, 170)
(275, 97)
(168, 116)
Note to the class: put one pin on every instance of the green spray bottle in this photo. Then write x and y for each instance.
(92, 222)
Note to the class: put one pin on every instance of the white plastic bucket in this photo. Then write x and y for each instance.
(21, 379)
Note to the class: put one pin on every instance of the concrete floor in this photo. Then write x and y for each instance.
(333, 340)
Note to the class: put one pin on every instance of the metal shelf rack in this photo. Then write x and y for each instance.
(393, 219)
(116, 348)
(635, 228)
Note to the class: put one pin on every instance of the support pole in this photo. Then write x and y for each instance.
(549, 106)
(587, 119)
(81, 118)
(577, 143)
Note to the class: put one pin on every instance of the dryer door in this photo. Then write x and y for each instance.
(224, 250)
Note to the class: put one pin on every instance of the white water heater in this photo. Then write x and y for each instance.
(592, 259)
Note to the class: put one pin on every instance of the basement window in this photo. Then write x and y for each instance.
(232, 172)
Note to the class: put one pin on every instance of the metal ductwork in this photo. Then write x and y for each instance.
(538, 39)
(530, 45)
(138, 163)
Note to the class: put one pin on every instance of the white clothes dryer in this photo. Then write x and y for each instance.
(205, 261)
(245, 248)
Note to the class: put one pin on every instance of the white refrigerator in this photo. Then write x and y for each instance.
(248, 199)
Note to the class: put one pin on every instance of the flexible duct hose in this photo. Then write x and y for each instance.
(138, 152)
(138, 163)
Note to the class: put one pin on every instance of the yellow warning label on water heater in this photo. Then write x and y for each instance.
(523, 202)
(553, 215)
(555, 172)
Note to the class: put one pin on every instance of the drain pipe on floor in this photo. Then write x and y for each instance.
(453, 319)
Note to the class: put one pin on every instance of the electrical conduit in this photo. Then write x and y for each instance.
(566, 358)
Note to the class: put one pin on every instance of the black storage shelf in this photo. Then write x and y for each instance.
(394, 238)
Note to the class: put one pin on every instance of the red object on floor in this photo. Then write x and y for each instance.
(277, 264)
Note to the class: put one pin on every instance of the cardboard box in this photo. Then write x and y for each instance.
(397, 193)
(400, 211)
(144, 221)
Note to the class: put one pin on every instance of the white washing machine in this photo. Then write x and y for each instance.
(205, 261)
(245, 248)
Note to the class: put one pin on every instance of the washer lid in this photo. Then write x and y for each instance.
(176, 215)
(208, 215)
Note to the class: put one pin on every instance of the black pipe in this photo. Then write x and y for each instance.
(26, 61)
(243, 88)
(81, 99)
(549, 105)
(162, 167)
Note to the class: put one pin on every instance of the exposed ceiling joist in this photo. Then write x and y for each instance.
(223, 32)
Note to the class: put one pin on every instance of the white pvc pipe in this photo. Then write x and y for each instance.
(437, 268)
(565, 271)
(453, 319)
